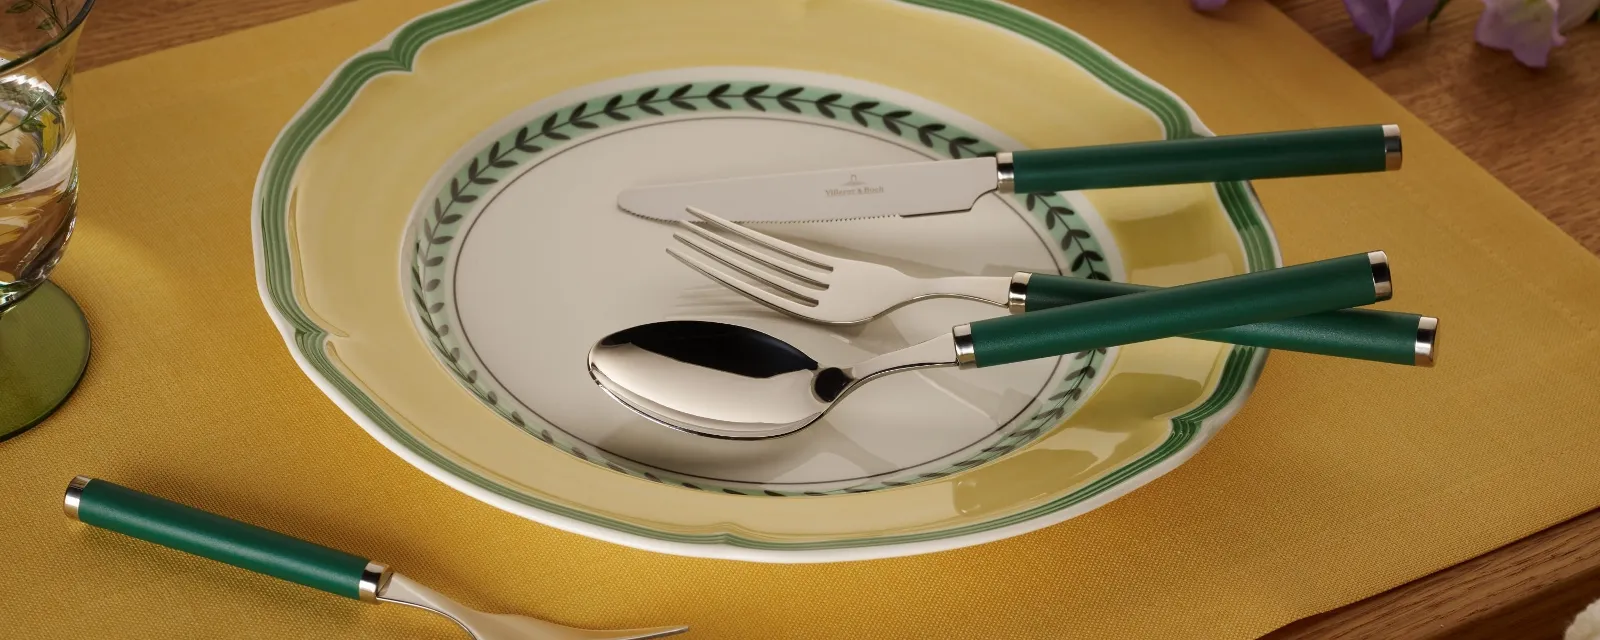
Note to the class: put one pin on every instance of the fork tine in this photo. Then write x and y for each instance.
(809, 277)
(756, 294)
(798, 253)
(749, 270)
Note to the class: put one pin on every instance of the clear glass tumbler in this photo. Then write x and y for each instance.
(44, 341)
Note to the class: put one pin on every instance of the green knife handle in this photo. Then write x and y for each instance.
(1363, 334)
(1262, 296)
(1255, 156)
(141, 515)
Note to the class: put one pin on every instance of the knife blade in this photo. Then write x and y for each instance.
(948, 186)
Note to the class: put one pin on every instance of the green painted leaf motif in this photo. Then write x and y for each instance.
(959, 144)
(523, 144)
(576, 118)
(548, 129)
(857, 109)
(611, 109)
(822, 104)
(925, 133)
(676, 98)
(644, 100)
(1069, 394)
(715, 96)
(1046, 415)
(1084, 258)
(893, 119)
(20, 7)
(786, 99)
(754, 92)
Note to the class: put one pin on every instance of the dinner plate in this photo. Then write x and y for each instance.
(438, 241)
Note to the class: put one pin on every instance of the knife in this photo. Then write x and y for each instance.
(945, 186)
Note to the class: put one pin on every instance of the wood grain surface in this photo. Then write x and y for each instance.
(1537, 131)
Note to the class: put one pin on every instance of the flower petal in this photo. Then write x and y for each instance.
(1527, 28)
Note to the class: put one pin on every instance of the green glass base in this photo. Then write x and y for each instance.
(44, 350)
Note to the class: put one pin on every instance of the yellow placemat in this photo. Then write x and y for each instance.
(1337, 481)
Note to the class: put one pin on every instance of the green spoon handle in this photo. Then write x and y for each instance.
(141, 515)
(1255, 156)
(1363, 334)
(1262, 296)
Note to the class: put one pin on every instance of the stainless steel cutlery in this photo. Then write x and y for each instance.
(726, 381)
(134, 513)
(830, 290)
(944, 186)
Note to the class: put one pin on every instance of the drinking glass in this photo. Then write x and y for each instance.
(44, 340)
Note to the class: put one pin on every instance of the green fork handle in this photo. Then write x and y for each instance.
(1254, 156)
(1261, 296)
(1363, 334)
(141, 515)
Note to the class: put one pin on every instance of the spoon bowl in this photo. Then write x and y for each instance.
(729, 381)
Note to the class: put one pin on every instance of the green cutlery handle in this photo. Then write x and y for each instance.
(141, 515)
(1363, 334)
(1262, 296)
(1254, 156)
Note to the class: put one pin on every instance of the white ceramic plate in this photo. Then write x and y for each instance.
(441, 246)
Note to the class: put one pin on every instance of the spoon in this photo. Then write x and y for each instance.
(728, 381)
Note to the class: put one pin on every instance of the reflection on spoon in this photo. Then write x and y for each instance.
(728, 381)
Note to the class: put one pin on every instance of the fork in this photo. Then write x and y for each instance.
(830, 290)
(111, 506)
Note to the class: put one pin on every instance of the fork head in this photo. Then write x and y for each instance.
(500, 626)
(789, 278)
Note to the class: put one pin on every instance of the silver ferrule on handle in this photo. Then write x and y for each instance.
(1392, 152)
(374, 579)
(1017, 295)
(966, 356)
(74, 496)
(1382, 286)
(1005, 173)
(1427, 348)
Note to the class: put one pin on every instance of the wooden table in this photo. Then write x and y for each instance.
(1536, 131)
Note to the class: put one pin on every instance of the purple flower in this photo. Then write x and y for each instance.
(1382, 20)
(1527, 28)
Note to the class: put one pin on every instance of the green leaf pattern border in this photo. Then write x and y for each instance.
(455, 205)
(397, 53)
